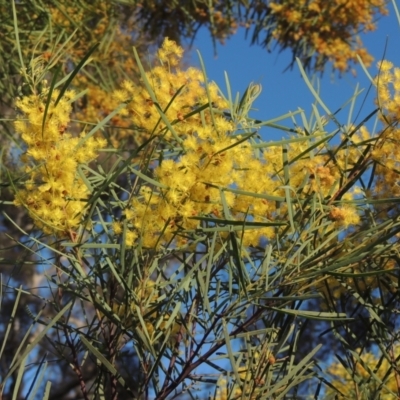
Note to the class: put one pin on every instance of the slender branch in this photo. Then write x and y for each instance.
(75, 362)
(165, 392)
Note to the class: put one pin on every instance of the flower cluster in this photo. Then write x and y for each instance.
(330, 27)
(54, 193)
(386, 152)
(316, 173)
(213, 158)
(178, 93)
(388, 91)
(352, 380)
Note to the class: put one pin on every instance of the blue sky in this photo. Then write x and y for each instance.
(287, 91)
